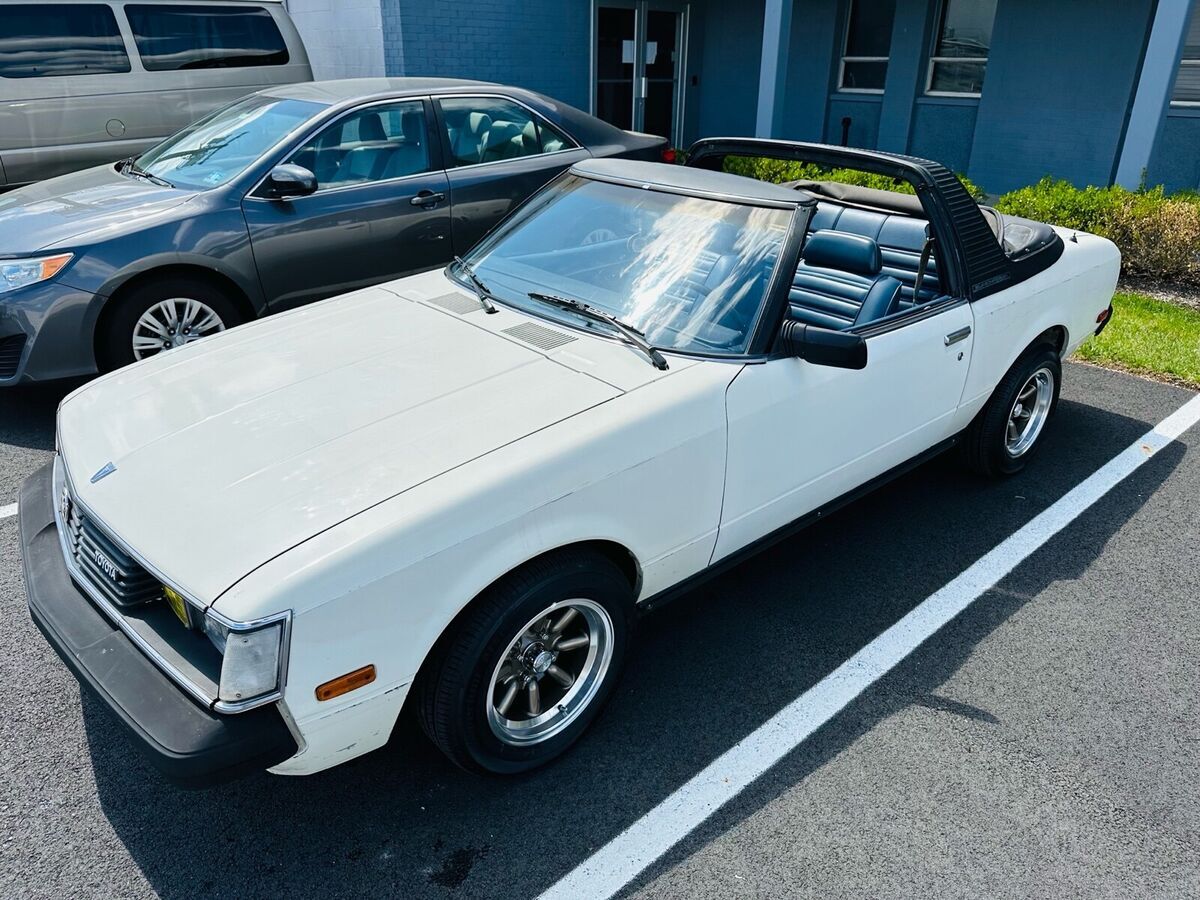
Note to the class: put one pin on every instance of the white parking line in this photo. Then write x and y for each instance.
(7, 511)
(622, 859)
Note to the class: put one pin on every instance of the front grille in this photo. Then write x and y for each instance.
(10, 354)
(107, 567)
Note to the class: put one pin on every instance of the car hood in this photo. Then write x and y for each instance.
(95, 201)
(235, 449)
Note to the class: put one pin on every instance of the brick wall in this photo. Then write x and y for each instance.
(542, 45)
(344, 38)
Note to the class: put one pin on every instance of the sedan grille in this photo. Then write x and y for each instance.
(10, 354)
(106, 566)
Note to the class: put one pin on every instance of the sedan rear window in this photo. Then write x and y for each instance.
(205, 37)
(40, 40)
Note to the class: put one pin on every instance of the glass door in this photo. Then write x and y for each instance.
(638, 64)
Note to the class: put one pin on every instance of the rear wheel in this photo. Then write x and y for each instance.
(161, 315)
(529, 666)
(1007, 432)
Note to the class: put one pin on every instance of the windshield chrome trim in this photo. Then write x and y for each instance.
(62, 480)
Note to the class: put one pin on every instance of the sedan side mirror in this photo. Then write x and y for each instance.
(823, 346)
(289, 180)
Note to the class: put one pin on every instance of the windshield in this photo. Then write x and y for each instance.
(215, 149)
(689, 273)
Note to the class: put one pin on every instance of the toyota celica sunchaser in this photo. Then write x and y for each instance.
(460, 489)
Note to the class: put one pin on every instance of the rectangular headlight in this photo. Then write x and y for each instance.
(250, 664)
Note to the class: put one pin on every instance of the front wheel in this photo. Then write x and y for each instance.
(529, 666)
(161, 315)
(1007, 432)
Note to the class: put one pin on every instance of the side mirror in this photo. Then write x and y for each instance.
(824, 346)
(289, 180)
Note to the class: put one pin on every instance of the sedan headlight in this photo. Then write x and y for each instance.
(19, 273)
(251, 657)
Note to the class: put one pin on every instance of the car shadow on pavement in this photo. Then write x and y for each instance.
(27, 413)
(709, 669)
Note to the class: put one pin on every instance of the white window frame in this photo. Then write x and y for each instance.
(842, 89)
(1184, 104)
(934, 60)
(939, 22)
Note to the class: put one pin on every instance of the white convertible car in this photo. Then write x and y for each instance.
(459, 490)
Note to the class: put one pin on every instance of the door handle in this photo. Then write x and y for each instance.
(961, 335)
(427, 198)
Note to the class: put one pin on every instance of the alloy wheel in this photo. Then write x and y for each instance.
(173, 323)
(1029, 412)
(550, 672)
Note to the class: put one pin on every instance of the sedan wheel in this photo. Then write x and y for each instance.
(161, 314)
(173, 323)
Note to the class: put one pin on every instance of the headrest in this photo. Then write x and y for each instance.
(502, 132)
(478, 123)
(841, 250)
(370, 128)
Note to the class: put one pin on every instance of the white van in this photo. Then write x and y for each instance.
(85, 82)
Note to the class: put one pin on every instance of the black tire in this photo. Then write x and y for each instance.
(985, 443)
(455, 691)
(114, 345)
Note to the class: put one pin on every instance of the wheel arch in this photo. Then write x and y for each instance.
(215, 277)
(620, 555)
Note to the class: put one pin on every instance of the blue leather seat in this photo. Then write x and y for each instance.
(839, 282)
(900, 239)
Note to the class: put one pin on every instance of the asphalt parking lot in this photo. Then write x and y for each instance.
(1045, 743)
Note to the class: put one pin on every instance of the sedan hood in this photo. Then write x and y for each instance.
(235, 449)
(94, 201)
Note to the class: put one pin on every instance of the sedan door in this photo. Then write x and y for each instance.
(498, 152)
(381, 208)
(802, 435)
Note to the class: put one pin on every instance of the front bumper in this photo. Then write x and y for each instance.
(56, 322)
(190, 744)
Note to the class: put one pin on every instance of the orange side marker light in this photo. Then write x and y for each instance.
(344, 684)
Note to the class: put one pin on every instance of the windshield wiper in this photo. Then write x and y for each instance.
(627, 331)
(481, 289)
(129, 167)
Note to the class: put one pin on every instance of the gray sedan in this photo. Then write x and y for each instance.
(287, 196)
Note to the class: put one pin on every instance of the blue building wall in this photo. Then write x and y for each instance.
(1058, 90)
(1060, 82)
(543, 45)
(730, 35)
(944, 129)
(1175, 162)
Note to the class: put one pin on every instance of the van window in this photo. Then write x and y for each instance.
(38, 40)
(205, 37)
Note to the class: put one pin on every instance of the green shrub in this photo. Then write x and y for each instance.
(779, 170)
(1158, 235)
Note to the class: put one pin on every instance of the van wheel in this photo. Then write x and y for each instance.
(1008, 431)
(162, 315)
(530, 665)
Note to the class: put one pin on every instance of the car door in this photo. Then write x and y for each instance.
(801, 435)
(498, 152)
(381, 208)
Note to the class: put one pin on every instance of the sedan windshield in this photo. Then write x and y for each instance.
(690, 273)
(215, 149)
